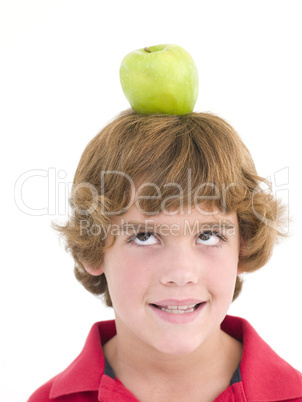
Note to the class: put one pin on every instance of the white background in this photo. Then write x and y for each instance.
(59, 85)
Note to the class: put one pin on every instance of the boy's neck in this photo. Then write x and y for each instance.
(214, 361)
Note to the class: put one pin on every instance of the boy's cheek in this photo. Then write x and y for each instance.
(128, 273)
(222, 275)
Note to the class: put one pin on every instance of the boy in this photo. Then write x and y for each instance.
(167, 212)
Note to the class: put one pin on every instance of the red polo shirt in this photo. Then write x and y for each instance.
(264, 375)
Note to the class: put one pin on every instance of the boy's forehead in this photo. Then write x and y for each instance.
(187, 214)
(186, 196)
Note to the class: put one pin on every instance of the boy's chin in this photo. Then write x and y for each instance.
(177, 346)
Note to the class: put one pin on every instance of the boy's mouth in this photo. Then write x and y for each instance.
(178, 309)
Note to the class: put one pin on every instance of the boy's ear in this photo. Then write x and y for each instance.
(94, 271)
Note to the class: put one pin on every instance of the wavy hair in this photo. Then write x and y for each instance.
(199, 152)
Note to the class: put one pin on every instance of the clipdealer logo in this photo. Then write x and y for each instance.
(55, 190)
(52, 187)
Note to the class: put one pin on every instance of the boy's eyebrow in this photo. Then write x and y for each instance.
(136, 225)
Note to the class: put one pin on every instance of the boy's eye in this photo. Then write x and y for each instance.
(144, 239)
(209, 238)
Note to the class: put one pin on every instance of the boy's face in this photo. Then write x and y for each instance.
(171, 278)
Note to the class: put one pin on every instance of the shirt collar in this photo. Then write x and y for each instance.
(86, 371)
(265, 375)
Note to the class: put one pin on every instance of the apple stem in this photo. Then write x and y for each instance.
(146, 49)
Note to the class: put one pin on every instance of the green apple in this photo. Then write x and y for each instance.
(160, 79)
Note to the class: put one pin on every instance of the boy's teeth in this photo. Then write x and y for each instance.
(178, 309)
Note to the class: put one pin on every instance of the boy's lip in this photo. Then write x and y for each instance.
(177, 302)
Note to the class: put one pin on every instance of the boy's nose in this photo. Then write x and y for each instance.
(180, 268)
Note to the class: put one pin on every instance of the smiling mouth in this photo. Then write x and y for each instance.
(178, 309)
